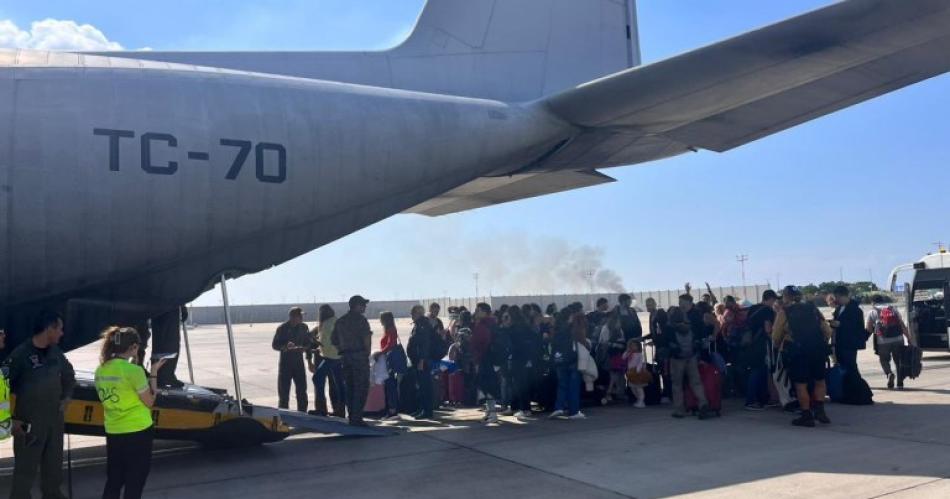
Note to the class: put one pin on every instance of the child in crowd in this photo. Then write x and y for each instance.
(613, 346)
(637, 374)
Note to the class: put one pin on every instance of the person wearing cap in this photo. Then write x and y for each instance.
(801, 334)
(352, 336)
(292, 339)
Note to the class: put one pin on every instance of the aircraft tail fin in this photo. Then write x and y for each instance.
(525, 49)
(507, 50)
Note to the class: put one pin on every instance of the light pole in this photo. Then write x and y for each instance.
(475, 276)
(590, 281)
(742, 259)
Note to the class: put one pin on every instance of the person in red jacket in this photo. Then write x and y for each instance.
(487, 375)
(388, 342)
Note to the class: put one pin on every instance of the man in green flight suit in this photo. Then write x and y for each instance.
(42, 380)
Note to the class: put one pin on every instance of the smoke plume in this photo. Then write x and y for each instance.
(513, 264)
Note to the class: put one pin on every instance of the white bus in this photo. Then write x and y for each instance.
(928, 299)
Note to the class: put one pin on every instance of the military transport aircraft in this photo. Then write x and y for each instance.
(130, 182)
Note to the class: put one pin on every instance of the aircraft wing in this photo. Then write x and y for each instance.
(745, 88)
(487, 191)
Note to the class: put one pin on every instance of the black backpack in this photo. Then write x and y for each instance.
(439, 347)
(856, 390)
(804, 325)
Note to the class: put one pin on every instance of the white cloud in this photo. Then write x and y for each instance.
(55, 34)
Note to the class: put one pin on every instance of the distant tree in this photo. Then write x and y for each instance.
(861, 290)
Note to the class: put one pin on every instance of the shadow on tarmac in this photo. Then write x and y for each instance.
(618, 452)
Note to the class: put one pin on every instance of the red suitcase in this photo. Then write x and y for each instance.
(376, 400)
(456, 388)
(712, 384)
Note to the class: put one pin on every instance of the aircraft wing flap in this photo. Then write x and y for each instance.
(487, 191)
(733, 92)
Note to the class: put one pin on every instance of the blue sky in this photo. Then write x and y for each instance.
(853, 193)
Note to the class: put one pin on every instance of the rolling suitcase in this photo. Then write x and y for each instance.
(456, 387)
(653, 393)
(835, 383)
(712, 386)
(376, 400)
(440, 390)
(911, 361)
(408, 393)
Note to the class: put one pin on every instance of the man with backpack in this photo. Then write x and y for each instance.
(889, 330)
(850, 335)
(802, 334)
(424, 344)
(685, 343)
(753, 350)
(629, 321)
(596, 319)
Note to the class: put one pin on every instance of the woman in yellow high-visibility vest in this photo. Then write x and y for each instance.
(127, 397)
(6, 420)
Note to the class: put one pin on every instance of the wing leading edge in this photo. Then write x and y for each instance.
(745, 88)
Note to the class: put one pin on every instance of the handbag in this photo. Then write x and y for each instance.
(396, 359)
(643, 378)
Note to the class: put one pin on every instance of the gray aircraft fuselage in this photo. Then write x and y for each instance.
(142, 185)
(128, 185)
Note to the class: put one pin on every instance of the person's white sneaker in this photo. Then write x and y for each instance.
(557, 414)
(579, 415)
(519, 414)
(507, 412)
(640, 405)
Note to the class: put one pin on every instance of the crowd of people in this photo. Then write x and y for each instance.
(516, 360)
(523, 360)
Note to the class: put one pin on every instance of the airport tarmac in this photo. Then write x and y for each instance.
(899, 447)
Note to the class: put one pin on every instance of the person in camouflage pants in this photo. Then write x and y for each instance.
(352, 337)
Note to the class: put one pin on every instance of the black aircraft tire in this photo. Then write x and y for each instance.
(240, 432)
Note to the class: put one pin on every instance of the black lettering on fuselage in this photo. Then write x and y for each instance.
(147, 139)
(114, 137)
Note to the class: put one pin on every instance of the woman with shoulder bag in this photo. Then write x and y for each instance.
(391, 348)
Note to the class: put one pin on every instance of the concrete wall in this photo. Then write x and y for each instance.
(250, 314)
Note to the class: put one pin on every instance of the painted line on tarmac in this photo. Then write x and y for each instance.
(912, 487)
